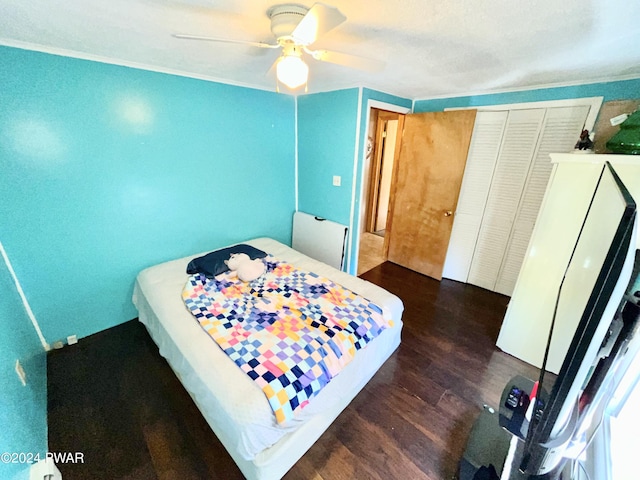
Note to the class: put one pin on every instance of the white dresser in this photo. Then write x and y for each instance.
(524, 332)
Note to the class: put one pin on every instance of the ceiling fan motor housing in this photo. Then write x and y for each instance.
(285, 18)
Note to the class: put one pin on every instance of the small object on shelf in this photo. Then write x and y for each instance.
(618, 119)
(585, 142)
(514, 403)
(627, 140)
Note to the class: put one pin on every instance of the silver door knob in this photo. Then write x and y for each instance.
(448, 213)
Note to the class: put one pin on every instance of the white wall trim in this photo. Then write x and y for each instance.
(153, 68)
(385, 106)
(354, 181)
(25, 302)
(594, 102)
(295, 153)
(355, 235)
(125, 63)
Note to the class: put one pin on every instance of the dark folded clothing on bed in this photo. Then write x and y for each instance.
(212, 264)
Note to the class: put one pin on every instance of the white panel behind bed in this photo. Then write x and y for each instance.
(320, 238)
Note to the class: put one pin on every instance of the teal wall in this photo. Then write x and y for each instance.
(621, 90)
(105, 170)
(326, 146)
(23, 409)
(327, 133)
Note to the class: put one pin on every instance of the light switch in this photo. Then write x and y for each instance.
(337, 179)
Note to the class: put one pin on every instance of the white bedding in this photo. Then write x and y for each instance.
(233, 405)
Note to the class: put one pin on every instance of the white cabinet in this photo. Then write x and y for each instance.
(525, 329)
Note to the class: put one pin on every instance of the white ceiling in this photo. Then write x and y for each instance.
(431, 47)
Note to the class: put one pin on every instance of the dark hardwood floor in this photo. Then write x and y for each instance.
(113, 398)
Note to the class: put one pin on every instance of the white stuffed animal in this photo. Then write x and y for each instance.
(245, 268)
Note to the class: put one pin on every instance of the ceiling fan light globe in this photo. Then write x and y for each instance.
(292, 71)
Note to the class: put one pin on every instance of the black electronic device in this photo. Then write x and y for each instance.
(539, 409)
(516, 398)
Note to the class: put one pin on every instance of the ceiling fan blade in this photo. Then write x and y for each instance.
(346, 60)
(223, 40)
(319, 20)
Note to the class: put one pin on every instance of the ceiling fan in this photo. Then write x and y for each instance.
(296, 28)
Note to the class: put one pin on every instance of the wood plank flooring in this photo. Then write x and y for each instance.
(115, 399)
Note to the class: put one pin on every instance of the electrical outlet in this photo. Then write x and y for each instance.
(72, 339)
(21, 373)
(58, 345)
(337, 180)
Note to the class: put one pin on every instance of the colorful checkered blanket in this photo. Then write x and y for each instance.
(291, 331)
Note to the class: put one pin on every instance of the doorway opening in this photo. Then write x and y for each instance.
(383, 148)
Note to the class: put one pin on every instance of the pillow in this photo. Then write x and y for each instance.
(212, 264)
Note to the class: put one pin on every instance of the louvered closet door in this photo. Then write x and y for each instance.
(509, 176)
(483, 152)
(561, 128)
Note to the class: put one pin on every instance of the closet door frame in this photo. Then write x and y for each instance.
(594, 102)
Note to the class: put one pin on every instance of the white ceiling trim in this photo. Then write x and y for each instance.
(61, 52)
(618, 78)
(123, 63)
(153, 68)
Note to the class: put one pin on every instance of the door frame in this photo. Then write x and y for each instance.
(375, 168)
(361, 213)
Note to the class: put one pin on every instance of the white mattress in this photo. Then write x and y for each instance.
(234, 406)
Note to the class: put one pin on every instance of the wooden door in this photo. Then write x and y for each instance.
(427, 182)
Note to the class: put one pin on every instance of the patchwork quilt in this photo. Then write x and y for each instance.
(290, 330)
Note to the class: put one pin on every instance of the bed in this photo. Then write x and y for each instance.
(234, 406)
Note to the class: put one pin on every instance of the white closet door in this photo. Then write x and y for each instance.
(561, 128)
(518, 147)
(483, 152)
